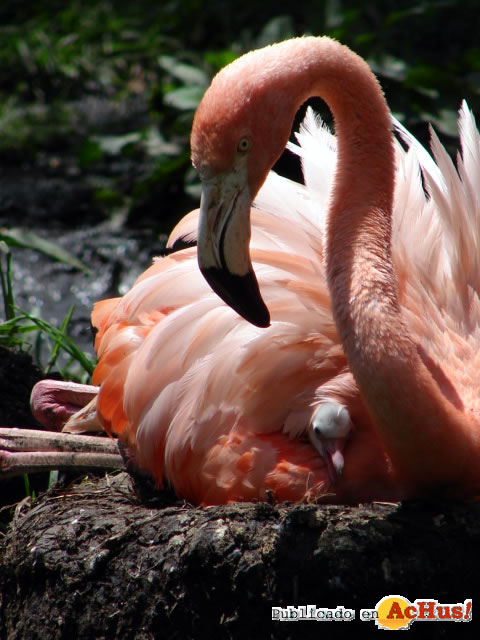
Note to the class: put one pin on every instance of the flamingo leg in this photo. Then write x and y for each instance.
(31, 451)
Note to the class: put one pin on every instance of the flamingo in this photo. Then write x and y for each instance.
(346, 372)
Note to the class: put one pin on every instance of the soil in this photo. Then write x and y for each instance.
(18, 374)
(95, 561)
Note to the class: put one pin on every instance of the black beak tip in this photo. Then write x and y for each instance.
(241, 293)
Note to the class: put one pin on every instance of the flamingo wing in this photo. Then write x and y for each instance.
(214, 405)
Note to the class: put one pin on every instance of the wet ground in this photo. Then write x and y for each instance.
(50, 193)
(114, 257)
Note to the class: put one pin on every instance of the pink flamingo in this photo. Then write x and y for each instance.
(355, 379)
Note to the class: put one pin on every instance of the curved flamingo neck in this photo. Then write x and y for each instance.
(424, 434)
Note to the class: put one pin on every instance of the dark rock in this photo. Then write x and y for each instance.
(18, 374)
(92, 561)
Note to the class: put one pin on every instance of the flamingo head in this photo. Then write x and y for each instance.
(328, 431)
(240, 129)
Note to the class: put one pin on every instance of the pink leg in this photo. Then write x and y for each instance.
(53, 402)
(29, 451)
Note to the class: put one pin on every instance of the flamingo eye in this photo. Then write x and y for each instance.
(244, 144)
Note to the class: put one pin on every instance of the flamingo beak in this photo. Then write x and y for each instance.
(223, 246)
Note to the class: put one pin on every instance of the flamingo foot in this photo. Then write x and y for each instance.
(53, 402)
(328, 431)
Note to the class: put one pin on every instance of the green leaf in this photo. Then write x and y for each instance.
(89, 152)
(108, 197)
(6, 282)
(187, 73)
(28, 240)
(26, 481)
(155, 144)
(390, 67)
(426, 76)
(114, 144)
(276, 29)
(185, 98)
(4, 247)
(58, 345)
(59, 336)
(446, 122)
(220, 59)
(52, 478)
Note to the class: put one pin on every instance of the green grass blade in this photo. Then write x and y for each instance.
(6, 281)
(52, 478)
(67, 344)
(29, 240)
(58, 343)
(28, 490)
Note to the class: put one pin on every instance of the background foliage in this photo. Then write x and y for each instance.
(103, 93)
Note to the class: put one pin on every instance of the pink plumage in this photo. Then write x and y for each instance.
(221, 409)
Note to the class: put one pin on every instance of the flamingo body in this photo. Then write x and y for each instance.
(220, 408)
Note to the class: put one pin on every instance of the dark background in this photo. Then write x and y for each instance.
(94, 97)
